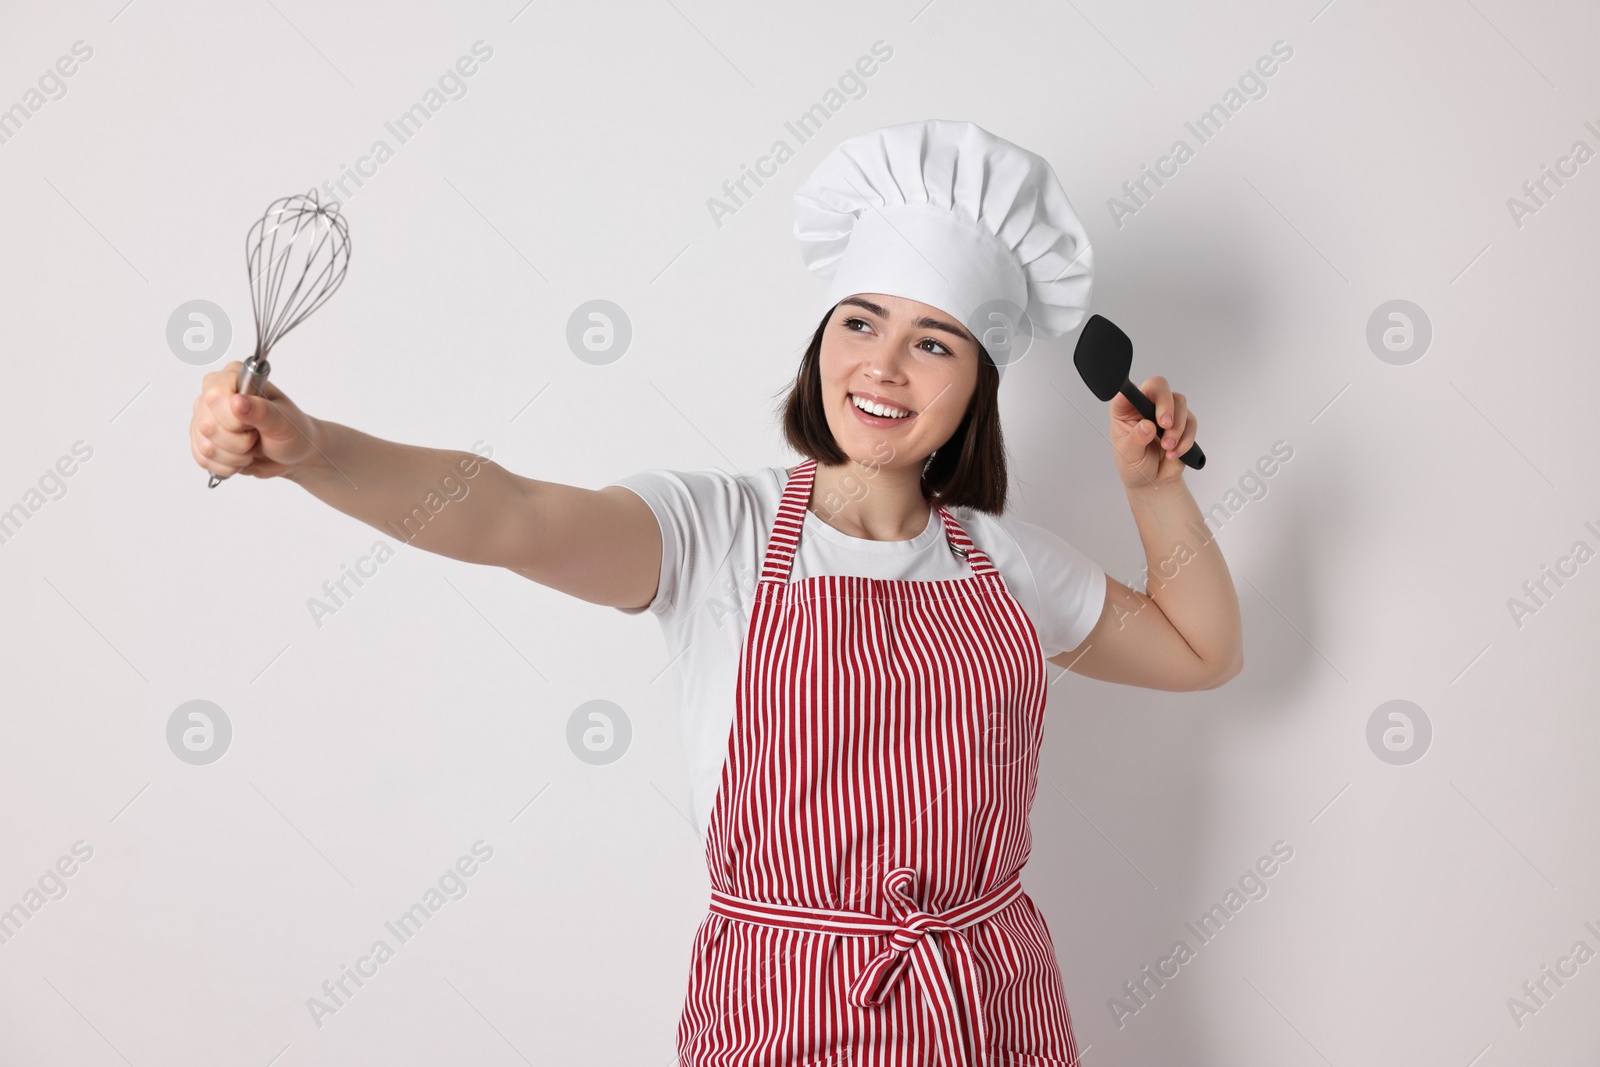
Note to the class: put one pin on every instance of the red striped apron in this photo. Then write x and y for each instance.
(870, 827)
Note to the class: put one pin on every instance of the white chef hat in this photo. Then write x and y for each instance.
(947, 214)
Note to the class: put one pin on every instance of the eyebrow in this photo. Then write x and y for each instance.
(924, 323)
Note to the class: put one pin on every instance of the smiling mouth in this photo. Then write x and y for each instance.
(890, 413)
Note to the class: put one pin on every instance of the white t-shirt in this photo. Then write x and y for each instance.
(714, 532)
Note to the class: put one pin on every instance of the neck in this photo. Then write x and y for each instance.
(873, 501)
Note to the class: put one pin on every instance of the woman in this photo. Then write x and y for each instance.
(863, 709)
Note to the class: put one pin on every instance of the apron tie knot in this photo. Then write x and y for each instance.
(872, 986)
(959, 1020)
(945, 965)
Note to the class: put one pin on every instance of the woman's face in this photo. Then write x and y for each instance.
(909, 356)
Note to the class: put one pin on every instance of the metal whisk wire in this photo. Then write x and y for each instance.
(315, 253)
(316, 242)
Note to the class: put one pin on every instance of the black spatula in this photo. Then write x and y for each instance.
(1103, 357)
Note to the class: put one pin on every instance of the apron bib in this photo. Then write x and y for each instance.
(871, 825)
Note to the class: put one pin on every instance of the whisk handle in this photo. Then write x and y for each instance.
(251, 377)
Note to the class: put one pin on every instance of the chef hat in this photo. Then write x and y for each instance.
(948, 214)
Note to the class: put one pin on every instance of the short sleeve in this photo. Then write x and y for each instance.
(1072, 587)
(694, 511)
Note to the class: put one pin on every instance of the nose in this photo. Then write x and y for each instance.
(887, 361)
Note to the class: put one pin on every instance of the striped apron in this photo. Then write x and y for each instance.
(870, 828)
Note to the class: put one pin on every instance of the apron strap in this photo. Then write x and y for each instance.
(962, 545)
(784, 540)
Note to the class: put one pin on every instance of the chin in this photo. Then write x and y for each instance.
(870, 452)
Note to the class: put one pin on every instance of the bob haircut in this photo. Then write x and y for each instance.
(968, 470)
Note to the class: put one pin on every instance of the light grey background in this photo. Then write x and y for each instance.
(430, 712)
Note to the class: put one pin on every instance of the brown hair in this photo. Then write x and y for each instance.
(968, 470)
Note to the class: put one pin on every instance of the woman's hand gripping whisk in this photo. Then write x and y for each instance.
(296, 255)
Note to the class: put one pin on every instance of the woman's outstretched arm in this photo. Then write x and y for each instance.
(603, 545)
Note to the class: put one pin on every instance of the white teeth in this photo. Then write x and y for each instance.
(880, 410)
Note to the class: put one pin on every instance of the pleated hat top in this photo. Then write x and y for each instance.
(946, 213)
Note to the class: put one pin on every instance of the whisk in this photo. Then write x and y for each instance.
(298, 239)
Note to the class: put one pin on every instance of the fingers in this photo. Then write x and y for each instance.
(1160, 394)
(216, 460)
(217, 397)
(227, 373)
(1133, 445)
(1188, 437)
(231, 433)
(241, 413)
(219, 439)
(1174, 427)
(1173, 423)
(227, 432)
(1172, 416)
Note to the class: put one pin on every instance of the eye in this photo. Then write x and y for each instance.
(942, 349)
